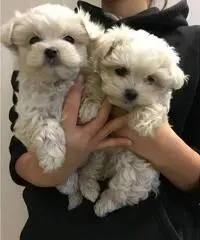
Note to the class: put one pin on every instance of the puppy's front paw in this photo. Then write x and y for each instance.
(108, 202)
(89, 188)
(88, 110)
(144, 128)
(75, 200)
(101, 209)
(104, 206)
(49, 145)
(51, 159)
(147, 119)
(71, 185)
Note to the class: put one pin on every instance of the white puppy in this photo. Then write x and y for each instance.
(136, 71)
(50, 44)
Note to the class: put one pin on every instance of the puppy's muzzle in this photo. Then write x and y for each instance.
(51, 56)
(130, 95)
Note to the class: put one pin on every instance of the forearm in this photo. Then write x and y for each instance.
(177, 162)
(169, 154)
(28, 168)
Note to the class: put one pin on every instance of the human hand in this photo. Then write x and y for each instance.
(151, 147)
(154, 147)
(84, 139)
(80, 141)
(167, 152)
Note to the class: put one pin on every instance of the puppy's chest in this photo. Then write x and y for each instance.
(46, 102)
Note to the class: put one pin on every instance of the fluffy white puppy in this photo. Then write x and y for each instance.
(136, 71)
(50, 44)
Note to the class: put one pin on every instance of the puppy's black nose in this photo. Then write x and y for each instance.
(51, 53)
(130, 94)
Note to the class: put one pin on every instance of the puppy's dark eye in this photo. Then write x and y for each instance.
(151, 80)
(122, 71)
(35, 39)
(69, 39)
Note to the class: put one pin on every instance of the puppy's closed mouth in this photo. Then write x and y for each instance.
(52, 62)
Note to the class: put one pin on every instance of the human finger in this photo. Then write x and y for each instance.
(110, 127)
(126, 132)
(117, 112)
(114, 142)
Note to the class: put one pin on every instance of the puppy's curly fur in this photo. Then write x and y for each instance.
(50, 44)
(136, 71)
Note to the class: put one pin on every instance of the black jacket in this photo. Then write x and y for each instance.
(173, 214)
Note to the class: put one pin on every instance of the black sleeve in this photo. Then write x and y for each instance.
(16, 147)
(192, 126)
(192, 136)
(191, 129)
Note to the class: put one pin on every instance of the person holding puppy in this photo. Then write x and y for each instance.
(174, 149)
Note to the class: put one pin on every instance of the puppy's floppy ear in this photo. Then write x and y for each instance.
(112, 46)
(104, 48)
(178, 78)
(114, 37)
(93, 30)
(7, 32)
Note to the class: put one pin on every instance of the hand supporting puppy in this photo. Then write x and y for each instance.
(80, 140)
(167, 152)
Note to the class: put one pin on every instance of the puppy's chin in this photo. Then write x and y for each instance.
(144, 100)
(59, 71)
(50, 74)
(67, 73)
(118, 103)
(128, 106)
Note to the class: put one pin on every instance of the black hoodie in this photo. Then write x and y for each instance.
(173, 214)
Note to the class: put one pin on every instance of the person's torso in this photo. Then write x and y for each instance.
(150, 219)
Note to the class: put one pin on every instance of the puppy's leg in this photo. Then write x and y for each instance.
(92, 99)
(49, 144)
(146, 181)
(89, 110)
(128, 191)
(75, 200)
(90, 174)
(134, 180)
(71, 188)
(114, 197)
(145, 119)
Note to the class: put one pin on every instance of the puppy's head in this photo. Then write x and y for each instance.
(50, 39)
(136, 68)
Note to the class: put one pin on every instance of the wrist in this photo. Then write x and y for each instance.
(178, 161)
(172, 147)
(74, 160)
(168, 143)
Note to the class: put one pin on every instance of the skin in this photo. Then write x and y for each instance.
(165, 150)
(125, 8)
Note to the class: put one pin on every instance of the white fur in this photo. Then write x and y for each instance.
(43, 87)
(142, 54)
(42, 90)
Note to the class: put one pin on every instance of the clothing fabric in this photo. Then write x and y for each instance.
(174, 214)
